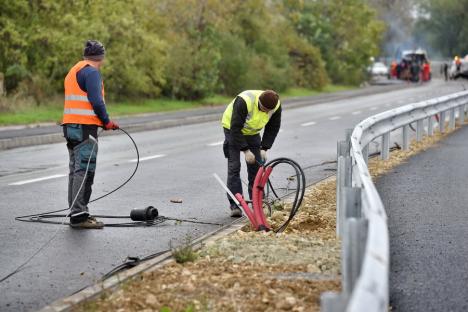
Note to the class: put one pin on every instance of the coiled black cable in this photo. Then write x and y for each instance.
(300, 188)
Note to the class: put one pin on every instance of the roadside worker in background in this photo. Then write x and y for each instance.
(84, 111)
(445, 70)
(243, 119)
(458, 63)
(393, 69)
(426, 71)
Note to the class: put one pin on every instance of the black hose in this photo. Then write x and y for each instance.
(300, 188)
(131, 176)
(42, 214)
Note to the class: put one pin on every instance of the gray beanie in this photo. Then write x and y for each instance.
(94, 50)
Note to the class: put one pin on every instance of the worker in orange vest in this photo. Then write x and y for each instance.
(426, 71)
(84, 112)
(393, 69)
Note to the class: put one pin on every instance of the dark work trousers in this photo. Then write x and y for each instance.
(232, 153)
(82, 150)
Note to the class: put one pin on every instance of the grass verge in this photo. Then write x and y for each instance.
(25, 113)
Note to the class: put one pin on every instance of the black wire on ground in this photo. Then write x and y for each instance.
(32, 216)
(158, 220)
(299, 191)
(21, 218)
(39, 217)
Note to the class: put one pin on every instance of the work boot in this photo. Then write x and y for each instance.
(89, 223)
(236, 212)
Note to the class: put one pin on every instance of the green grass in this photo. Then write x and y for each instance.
(52, 112)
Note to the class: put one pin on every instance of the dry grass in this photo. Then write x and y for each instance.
(378, 167)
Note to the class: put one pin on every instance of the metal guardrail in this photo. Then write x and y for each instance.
(361, 216)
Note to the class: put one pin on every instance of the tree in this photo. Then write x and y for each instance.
(346, 31)
(444, 25)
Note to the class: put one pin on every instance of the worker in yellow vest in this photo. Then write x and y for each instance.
(243, 120)
(84, 111)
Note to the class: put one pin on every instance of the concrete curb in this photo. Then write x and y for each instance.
(90, 292)
(291, 103)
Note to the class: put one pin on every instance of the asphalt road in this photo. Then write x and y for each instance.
(426, 202)
(176, 162)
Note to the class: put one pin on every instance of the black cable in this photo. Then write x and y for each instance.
(157, 220)
(131, 176)
(19, 218)
(131, 262)
(299, 191)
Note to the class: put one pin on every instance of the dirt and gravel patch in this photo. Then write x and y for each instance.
(247, 271)
(255, 271)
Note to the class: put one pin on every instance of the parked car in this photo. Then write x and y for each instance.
(460, 70)
(378, 69)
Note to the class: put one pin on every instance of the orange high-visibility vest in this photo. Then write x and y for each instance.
(77, 108)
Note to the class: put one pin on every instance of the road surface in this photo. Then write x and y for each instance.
(176, 162)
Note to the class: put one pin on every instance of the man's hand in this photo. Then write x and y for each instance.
(249, 157)
(111, 125)
(263, 155)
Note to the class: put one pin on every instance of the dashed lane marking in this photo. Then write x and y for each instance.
(147, 158)
(356, 113)
(55, 176)
(334, 118)
(215, 143)
(310, 123)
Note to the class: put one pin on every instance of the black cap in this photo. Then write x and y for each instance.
(94, 50)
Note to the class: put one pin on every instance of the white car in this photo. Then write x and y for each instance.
(378, 69)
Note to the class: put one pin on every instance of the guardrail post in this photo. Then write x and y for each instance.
(442, 122)
(352, 202)
(461, 114)
(464, 112)
(419, 130)
(343, 179)
(452, 119)
(332, 302)
(384, 154)
(430, 126)
(348, 133)
(406, 129)
(352, 252)
(365, 153)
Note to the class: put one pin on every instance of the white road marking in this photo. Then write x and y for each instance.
(215, 143)
(388, 105)
(147, 158)
(373, 108)
(356, 113)
(334, 118)
(310, 123)
(55, 176)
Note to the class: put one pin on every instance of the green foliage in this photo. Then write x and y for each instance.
(186, 49)
(444, 25)
(346, 32)
(184, 252)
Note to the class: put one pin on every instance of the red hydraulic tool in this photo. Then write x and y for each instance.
(256, 215)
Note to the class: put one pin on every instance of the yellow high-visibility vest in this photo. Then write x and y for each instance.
(256, 119)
